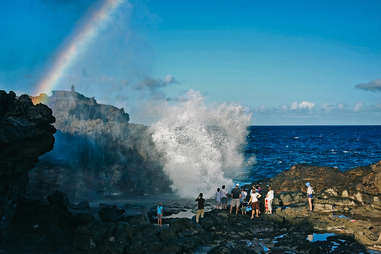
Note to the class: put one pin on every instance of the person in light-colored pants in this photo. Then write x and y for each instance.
(269, 200)
(200, 212)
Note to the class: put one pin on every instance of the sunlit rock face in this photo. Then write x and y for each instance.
(366, 179)
(26, 132)
(97, 151)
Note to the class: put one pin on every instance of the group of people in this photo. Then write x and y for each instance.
(240, 199)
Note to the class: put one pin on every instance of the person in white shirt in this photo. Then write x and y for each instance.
(269, 200)
(224, 197)
(254, 196)
(310, 191)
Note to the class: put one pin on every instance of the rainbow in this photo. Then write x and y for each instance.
(81, 37)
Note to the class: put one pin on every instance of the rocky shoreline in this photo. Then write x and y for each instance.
(339, 224)
(346, 216)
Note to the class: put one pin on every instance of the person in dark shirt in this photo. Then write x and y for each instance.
(236, 195)
(200, 207)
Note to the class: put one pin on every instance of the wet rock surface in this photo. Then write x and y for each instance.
(56, 226)
(26, 132)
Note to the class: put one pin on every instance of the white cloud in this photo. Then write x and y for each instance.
(358, 106)
(304, 105)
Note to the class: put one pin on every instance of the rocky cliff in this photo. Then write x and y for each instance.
(25, 134)
(97, 150)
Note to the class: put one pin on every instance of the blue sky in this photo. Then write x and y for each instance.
(289, 62)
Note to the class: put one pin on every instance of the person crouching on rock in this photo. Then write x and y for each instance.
(254, 196)
(160, 214)
(236, 195)
(310, 192)
(200, 207)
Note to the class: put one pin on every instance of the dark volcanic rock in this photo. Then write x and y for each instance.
(25, 134)
(295, 178)
(111, 213)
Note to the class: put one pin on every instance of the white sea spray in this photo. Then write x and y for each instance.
(201, 143)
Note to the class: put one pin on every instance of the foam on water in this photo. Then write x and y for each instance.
(201, 144)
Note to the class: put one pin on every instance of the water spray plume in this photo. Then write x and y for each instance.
(201, 144)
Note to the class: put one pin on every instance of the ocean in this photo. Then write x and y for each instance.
(273, 149)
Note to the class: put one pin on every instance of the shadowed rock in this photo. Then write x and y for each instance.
(25, 134)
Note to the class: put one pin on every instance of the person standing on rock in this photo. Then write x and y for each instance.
(224, 197)
(200, 207)
(269, 200)
(218, 199)
(254, 196)
(243, 201)
(160, 214)
(236, 195)
(310, 193)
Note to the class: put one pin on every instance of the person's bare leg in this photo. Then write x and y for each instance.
(310, 203)
(257, 210)
(252, 213)
(236, 210)
(231, 208)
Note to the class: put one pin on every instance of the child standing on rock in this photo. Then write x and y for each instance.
(310, 192)
(160, 214)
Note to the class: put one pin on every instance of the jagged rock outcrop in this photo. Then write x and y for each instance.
(25, 134)
(365, 179)
(97, 150)
(354, 193)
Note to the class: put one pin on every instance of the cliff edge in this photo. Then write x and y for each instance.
(26, 132)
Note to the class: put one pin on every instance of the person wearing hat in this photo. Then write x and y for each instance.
(254, 201)
(236, 195)
(310, 191)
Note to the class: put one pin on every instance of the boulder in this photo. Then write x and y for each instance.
(111, 213)
(26, 132)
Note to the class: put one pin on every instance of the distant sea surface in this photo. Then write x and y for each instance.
(273, 149)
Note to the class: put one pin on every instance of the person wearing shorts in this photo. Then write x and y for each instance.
(200, 207)
(236, 195)
(310, 192)
(254, 201)
(160, 214)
